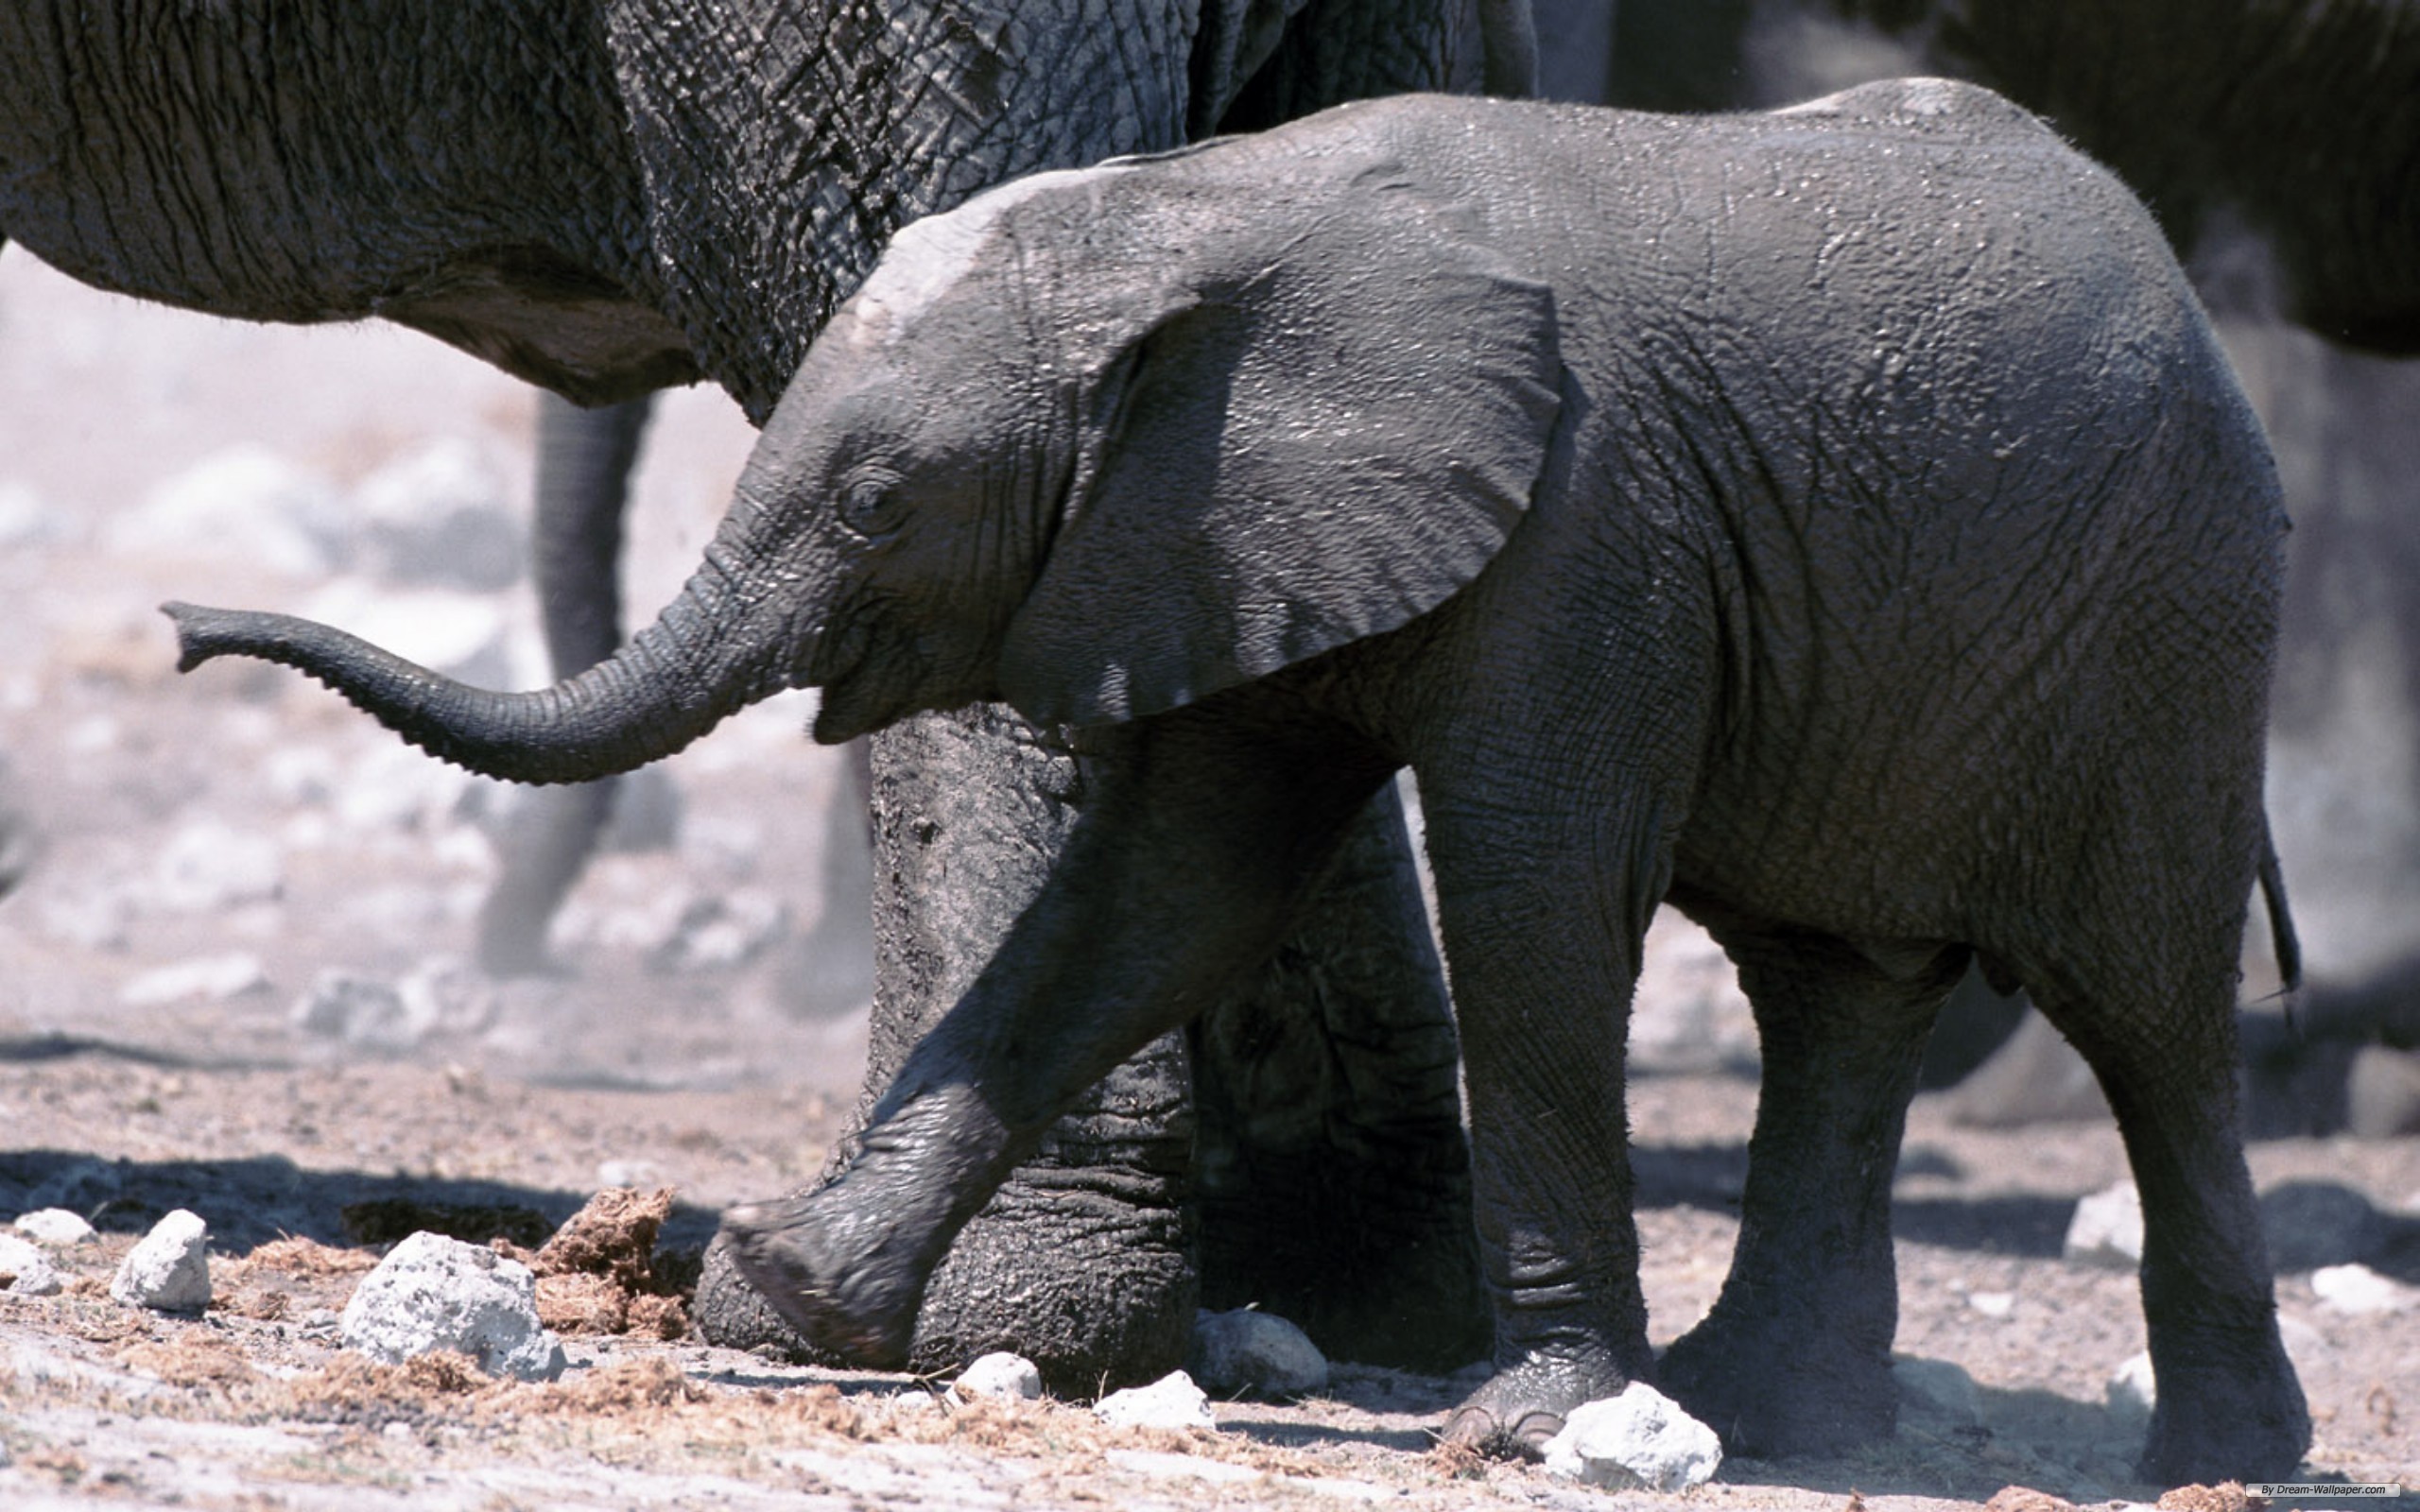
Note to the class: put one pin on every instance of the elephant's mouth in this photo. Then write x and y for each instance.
(853, 700)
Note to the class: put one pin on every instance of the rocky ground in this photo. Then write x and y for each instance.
(231, 982)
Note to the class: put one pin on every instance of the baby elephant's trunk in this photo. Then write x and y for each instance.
(671, 684)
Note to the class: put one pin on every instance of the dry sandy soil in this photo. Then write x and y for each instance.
(240, 826)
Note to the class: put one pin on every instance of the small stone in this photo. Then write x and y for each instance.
(203, 979)
(25, 1271)
(209, 866)
(359, 1011)
(1937, 1391)
(169, 1270)
(1001, 1374)
(2360, 1291)
(433, 1293)
(1172, 1401)
(1640, 1438)
(721, 932)
(246, 505)
(1995, 1305)
(55, 1225)
(437, 516)
(2025, 1498)
(2107, 1229)
(1252, 1353)
(2130, 1391)
(2311, 1224)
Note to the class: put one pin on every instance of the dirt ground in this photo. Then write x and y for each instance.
(211, 847)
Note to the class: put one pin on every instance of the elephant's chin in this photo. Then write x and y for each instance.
(856, 706)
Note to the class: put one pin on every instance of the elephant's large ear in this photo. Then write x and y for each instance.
(1320, 432)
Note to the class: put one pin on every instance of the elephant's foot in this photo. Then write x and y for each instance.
(1524, 1404)
(840, 1296)
(1772, 1388)
(2237, 1416)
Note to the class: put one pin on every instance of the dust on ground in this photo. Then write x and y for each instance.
(212, 848)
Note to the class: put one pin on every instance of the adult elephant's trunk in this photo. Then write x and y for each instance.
(704, 660)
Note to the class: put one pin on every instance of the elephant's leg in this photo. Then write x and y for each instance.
(2164, 1047)
(1544, 948)
(1334, 1176)
(1084, 1261)
(1199, 843)
(1795, 1357)
(584, 461)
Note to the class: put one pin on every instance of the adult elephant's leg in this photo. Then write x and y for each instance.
(1335, 1180)
(1795, 1357)
(584, 462)
(1085, 1259)
(1083, 1262)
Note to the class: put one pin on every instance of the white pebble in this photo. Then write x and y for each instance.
(2358, 1289)
(1172, 1401)
(55, 1225)
(27, 1270)
(169, 1271)
(2107, 1229)
(434, 1292)
(1640, 1438)
(1001, 1374)
(1257, 1353)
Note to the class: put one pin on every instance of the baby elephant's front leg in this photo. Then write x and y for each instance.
(846, 1264)
(1203, 834)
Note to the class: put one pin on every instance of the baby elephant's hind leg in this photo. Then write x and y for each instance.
(2228, 1406)
(1795, 1358)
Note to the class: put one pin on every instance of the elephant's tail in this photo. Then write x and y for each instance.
(2283, 943)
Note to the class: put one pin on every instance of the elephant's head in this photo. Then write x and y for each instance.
(1098, 443)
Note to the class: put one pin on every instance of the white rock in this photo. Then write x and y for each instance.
(1001, 1374)
(55, 1225)
(2360, 1290)
(1257, 1353)
(642, 1175)
(434, 1292)
(464, 635)
(721, 931)
(1172, 1401)
(208, 866)
(204, 979)
(169, 1270)
(25, 520)
(436, 515)
(30, 1271)
(95, 919)
(1639, 1438)
(1994, 1305)
(393, 787)
(245, 504)
(1937, 1390)
(2107, 1229)
(359, 1011)
(2130, 1391)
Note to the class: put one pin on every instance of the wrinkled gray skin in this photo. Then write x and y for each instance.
(2278, 144)
(608, 198)
(1840, 521)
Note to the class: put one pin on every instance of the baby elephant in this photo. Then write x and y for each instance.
(1840, 521)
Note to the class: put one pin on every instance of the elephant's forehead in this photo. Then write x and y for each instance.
(929, 257)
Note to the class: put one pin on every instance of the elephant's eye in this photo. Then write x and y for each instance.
(869, 502)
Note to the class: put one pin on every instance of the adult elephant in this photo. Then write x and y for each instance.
(2278, 144)
(606, 198)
